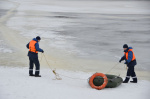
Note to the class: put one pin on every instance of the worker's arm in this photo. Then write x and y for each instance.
(37, 47)
(122, 58)
(130, 56)
(27, 45)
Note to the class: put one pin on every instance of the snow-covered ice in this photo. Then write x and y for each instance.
(16, 84)
(3, 48)
(86, 29)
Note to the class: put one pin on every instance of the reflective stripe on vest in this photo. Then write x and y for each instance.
(126, 54)
(32, 46)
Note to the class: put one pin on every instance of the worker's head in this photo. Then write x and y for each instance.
(125, 47)
(38, 38)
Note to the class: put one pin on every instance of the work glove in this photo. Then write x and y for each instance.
(125, 63)
(42, 51)
(120, 61)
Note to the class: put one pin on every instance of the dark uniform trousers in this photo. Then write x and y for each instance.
(34, 60)
(131, 72)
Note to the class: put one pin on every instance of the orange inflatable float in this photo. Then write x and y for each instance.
(104, 83)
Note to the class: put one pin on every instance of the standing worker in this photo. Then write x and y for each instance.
(130, 60)
(33, 47)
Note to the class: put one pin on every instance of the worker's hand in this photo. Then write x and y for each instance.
(125, 62)
(120, 61)
(42, 51)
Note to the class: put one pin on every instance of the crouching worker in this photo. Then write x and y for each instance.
(130, 60)
(33, 47)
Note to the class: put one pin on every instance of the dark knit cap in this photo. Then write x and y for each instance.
(125, 46)
(38, 38)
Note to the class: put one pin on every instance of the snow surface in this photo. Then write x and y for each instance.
(5, 5)
(16, 84)
(90, 6)
(3, 48)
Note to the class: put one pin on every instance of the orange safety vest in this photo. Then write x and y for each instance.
(32, 46)
(126, 54)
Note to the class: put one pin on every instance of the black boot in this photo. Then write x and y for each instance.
(126, 80)
(31, 75)
(37, 75)
(134, 80)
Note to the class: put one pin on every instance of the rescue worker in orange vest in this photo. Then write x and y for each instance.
(33, 47)
(130, 60)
